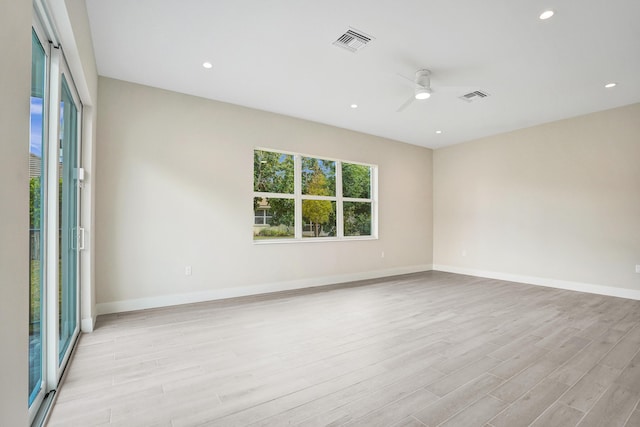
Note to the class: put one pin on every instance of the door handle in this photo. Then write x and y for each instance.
(80, 239)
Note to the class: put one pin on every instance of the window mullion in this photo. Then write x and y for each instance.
(339, 210)
(273, 195)
(313, 197)
(297, 191)
(355, 199)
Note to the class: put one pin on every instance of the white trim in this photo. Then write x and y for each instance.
(310, 240)
(375, 202)
(217, 294)
(590, 288)
(86, 325)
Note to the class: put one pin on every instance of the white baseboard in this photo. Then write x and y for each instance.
(216, 294)
(540, 281)
(86, 325)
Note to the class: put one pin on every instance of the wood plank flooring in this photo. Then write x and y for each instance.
(428, 349)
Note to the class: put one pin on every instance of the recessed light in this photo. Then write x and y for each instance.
(207, 65)
(438, 132)
(610, 85)
(546, 14)
(354, 106)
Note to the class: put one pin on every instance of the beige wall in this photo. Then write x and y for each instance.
(558, 201)
(15, 27)
(174, 188)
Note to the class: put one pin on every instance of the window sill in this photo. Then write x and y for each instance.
(312, 240)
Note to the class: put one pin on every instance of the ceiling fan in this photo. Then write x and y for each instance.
(422, 88)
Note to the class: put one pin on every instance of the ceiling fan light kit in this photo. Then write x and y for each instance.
(422, 93)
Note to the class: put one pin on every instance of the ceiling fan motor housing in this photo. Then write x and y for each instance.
(423, 78)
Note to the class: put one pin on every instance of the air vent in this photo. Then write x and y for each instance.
(474, 96)
(353, 40)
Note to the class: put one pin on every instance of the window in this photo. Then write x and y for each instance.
(319, 197)
(262, 216)
(273, 202)
(357, 206)
(299, 197)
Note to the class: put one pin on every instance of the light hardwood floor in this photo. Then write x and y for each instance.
(428, 349)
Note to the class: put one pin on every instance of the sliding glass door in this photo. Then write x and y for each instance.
(54, 188)
(36, 216)
(68, 208)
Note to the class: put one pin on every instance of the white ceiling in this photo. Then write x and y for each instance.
(278, 56)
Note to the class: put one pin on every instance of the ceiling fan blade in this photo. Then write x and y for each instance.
(409, 79)
(406, 104)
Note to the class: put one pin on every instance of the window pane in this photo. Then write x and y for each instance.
(36, 187)
(356, 181)
(274, 218)
(357, 219)
(319, 217)
(318, 177)
(272, 172)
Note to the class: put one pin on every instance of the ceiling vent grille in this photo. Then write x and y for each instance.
(353, 40)
(474, 96)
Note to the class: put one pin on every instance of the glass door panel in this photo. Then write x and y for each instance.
(54, 212)
(68, 221)
(37, 187)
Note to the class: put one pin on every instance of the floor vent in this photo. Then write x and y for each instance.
(353, 40)
(474, 96)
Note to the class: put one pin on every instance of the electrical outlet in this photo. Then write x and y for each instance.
(464, 252)
(637, 268)
(382, 254)
(187, 270)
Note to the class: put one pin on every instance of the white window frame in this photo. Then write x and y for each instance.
(338, 198)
